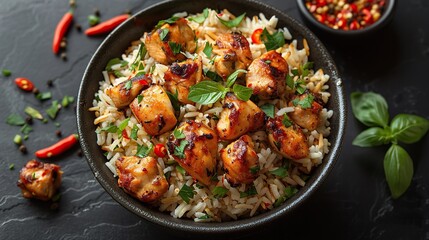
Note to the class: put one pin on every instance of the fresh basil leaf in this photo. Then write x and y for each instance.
(163, 33)
(212, 75)
(409, 128)
(169, 21)
(53, 110)
(268, 109)
(372, 137)
(280, 172)
(232, 23)
(370, 109)
(143, 151)
(186, 193)
(286, 121)
(178, 134)
(398, 168)
(272, 42)
(179, 150)
(15, 120)
(219, 192)
(201, 17)
(134, 131)
(233, 77)
(249, 192)
(305, 102)
(206, 92)
(174, 100)
(175, 47)
(243, 93)
(208, 49)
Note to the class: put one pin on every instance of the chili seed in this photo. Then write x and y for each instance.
(23, 149)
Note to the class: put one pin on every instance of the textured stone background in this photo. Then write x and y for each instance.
(354, 202)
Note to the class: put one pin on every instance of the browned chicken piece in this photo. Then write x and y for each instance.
(266, 75)
(308, 118)
(181, 76)
(142, 178)
(240, 161)
(234, 53)
(290, 142)
(154, 111)
(179, 33)
(238, 117)
(196, 151)
(124, 93)
(39, 180)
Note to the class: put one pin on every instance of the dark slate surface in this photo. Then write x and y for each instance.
(354, 202)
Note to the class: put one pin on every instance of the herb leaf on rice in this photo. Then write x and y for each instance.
(186, 193)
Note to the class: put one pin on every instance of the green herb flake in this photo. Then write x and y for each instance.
(181, 170)
(26, 129)
(305, 102)
(251, 191)
(67, 100)
(174, 99)
(134, 131)
(290, 82)
(186, 193)
(178, 134)
(139, 98)
(123, 125)
(169, 21)
(286, 121)
(118, 73)
(163, 33)
(201, 17)
(243, 93)
(274, 41)
(53, 110)
(33, 113)
(206, 92)
(93, 20)
(42, 96)
(268, 62)
(208, 48)
(288, 192)
(295, 72)
(205, 216)
(6, 72)
(219, 192)
(33, 176)
(232, 23)
(11, 166)
(280, 172)
(128, 85)
(179, 150)
(143, 151)
(268, 109)
(254, 170)
(212, 75)
(141, 53)
(175, 47)
(17, 139)
(115, 61)
(110, 129)
(15, 120)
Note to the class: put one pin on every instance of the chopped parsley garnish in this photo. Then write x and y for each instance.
(178, 134)
(53, 110)
(118, 73)
(128, 85)
(232, 23)
(254, 170)
(205, 216)
(141, 53)
(208, 48)
(272, 42)
(305, 102)
(123, 125)
(288, 192)
(251, 191)
(186, 193)
(134, 131)
(219, 192)
(15, 120)
(268, 109)
(179, 150)
(143, 151)
(44, 96)
(280, 172)
(174, 100)
(175, 47)
(286, 121)
(139, 98)
(290, 82)
(115, 61)
(169, 21)
(163, 33)
(6, 72)
(180, 170)
(201, 17)
(110, 129)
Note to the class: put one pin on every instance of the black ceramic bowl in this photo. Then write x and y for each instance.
(119, 40)
(385, 18)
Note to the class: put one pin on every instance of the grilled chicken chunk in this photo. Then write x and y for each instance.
(177, 34)
(142, 178)
(39, 180)
(196, 151)
(124, 93)
(266, 75)
(240, 161)
(154, 111)
(290, 142)
(308, 118)
(181, 76)
(234, 53)
(238, 117)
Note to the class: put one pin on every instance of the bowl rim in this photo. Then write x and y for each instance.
(237, 226)
(384, 19)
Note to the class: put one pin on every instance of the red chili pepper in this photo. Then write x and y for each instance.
(160, 150)
(62, 27)
(24, 84)
(125, 134)
(58, 147)
(256, 36)
(107, 26)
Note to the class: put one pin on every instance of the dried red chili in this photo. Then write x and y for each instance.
(59, 147)
(24, 84)
(346, 14)
(61, 29)
(107, 26)
(160, 150)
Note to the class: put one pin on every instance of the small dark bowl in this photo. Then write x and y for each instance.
(119, 40)
(385, 18)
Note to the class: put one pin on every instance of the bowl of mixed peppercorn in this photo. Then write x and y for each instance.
(347, 17)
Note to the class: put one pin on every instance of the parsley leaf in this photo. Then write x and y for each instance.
(219, 192)
(15, 120)
(115, 61)
(139, 98)
(175, 47)
(268, 109)
(289, 81)
(288, 192)
(134, 131)
(181, 170)
(141, 53)
(249, 192)
(208, 48)
(169, 21)
(234, 22)
(304, 103)
(200, 18)
(110, 129)
(274, 41)
(205, 216)
(163, 33)
(280, 172)
(178, 134)
(286, 121)
(174, 100)
(179, 150)
(123, 125)
(186, 193)
(143, 151)
(128, 85)
(254, 170)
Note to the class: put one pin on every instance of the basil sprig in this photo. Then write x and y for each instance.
(208, 92)
(372, 110)
(232, 23)
(274, 41)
